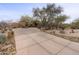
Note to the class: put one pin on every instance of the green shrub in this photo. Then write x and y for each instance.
(2, 38)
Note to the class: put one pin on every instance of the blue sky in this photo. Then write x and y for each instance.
(15, 11)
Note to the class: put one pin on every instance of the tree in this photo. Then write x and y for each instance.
(35, 23)
(60, 20)
(75, 24)
(39, 14)
(24, 21)
(47, 14)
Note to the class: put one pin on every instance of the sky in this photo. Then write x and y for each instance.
(13, 11)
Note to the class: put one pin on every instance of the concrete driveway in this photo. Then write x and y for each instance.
(32, 41)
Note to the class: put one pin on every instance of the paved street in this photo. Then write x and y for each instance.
(32, 41)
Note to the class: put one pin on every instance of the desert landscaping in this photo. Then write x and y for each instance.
(44, 33)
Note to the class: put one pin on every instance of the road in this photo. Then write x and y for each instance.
(32, 41)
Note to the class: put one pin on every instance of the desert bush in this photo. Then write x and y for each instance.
(2, 38)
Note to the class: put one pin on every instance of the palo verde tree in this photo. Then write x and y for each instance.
(59, 21)
(75, 24)
(47, 14)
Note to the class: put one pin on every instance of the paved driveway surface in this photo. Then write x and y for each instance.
(32, 41)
